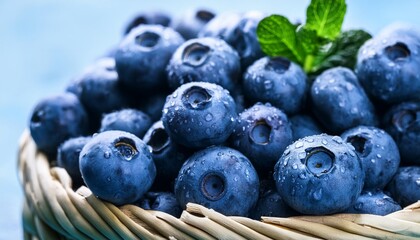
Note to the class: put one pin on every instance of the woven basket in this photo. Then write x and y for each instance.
(52, 210)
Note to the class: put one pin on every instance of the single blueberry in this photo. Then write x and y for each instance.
(402, 122)
(204, 60)
(219, 178)
(55, 119)
(387, 65)
(117, 167)
(378, 152)
(199, 114)
(405, 185)
(128, 120)
(319, 175)
(68, 158)
(339, 101)
(376, 202)
(161, 201)
(262, 133)
(142, 56)
(150, 18)
(191, 22)
(168, 156)
(278, 81)
(270, 204)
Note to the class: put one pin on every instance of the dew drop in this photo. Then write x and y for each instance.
(294, 166)
(318, 194)
(107, 155)
(378, 155)
(302, 155)
(299, 145)
(358, 206)
(418, 182)
(373, 160)
(208, 117)
(324, 141)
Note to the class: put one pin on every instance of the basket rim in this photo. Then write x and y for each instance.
(52, 209)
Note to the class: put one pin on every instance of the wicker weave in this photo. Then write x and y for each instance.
(52, 210)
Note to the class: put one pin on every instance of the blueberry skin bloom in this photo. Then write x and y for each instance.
(319, 175)
(374, 202)
(339, 102)
(191, 22)
(402, 122)
(127, 120)
(199, 114)
(143, 55)
(117, 167)
(55, 119)
(278, 81)
(219, 178)
(378, 153)
(204, 60)
(68, 158)
(405, 185)
(262, 133)
(388, 64)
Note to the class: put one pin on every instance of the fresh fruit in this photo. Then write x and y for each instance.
(199, 114)
(56, 119)
(220, 178)
(402, 122)
(304, 125)
(339, 101)
(405, 185)
(117, 167)
(319, 175)
(378, 153)
(387, 65)
(68, 158)
(128, 120)
(168, 156)
(161, 201)
(270, 204)
(150, 18)
(191, 22)
(262, 133)
(143, 55)
(204, 60)
(375, 202)
(278, 81)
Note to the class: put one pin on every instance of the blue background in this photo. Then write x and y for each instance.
(44, 43)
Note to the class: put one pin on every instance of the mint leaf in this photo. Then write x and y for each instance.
(277, 37)
(326, 17)
(341, 52)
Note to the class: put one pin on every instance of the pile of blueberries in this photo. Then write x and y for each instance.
(190, 109)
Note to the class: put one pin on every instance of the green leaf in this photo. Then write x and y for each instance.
(326, 17)
(341, 52)
(277, 37)
(308, 40)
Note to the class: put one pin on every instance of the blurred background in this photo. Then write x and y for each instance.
(45, 43)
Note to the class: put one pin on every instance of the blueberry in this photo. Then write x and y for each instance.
(278, 81)
(142, 56)
(376, 202)
(402, 122)
(191, 22)
(219, 178)
(117, 167)
(387, 65)
(319, 175)
(99, 90)
(270, 204)
(239, 30)
(150, 18)
(262, 134)
(378, 152)
(128, 120)
(304, 125)
(153, 105)
(405, 185)
(161, 201)
(199, 114)
(339, 101)
(168, 156)
(204, 60)
(68, 158)
(55, 119)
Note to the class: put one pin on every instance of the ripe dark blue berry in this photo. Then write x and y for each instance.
(128, 120)
(405, 185)
(150, 18)
(161, 201)
(219, 178)
(117, 167)
(191, 22)
(319, 175)
(199, 114)
(304, 125)
(374, 202)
